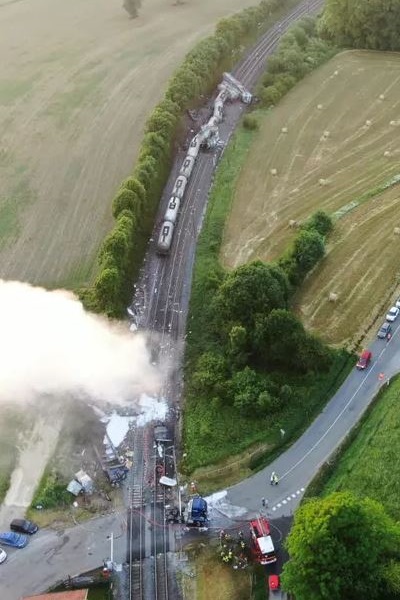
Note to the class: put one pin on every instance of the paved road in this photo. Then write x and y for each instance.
(298, 465)
(51, 556)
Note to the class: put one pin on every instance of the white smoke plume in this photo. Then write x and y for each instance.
(50, 345)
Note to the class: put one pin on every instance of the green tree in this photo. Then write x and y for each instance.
(246, 387)
(210, 375)
(321, 222)
(362, 23)
(250, 290)
(338, 549)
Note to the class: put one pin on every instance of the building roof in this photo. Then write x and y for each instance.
(71, 595)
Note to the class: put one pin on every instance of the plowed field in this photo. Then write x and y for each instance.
(77, 80)
(342, 142)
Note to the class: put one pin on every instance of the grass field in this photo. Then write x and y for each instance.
(370, 466)
(340, 120)
(77, 80)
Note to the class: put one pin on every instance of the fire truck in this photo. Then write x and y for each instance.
(262, 546)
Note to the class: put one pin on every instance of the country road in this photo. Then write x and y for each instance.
(299, 464)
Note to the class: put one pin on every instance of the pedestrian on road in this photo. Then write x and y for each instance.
(263, 502)
(389, 336)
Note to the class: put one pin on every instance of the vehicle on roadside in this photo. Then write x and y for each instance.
(23, 526)
(364, 359)
(393, 314)
(16, 540)
(3, 555)
(397, 303)
(384, 330)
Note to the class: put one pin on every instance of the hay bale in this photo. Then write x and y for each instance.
(396, 231)
(333, 297)
(387, 153)
(274, 172)
(292, 223)
(336, 73)
(320, 107)
(393, 123)
(368, 123)
(284, 130)
(382, 97)
(323, 181)
(327, 134)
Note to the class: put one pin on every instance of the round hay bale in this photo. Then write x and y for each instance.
(284, 130)
(387, 153)
(368, 123)
(333, 297)
(381, 96)
(396, 231)
(336, 73)
(322, 181)
(327, 134)
(320, 107)
(274, 172)
(393, 123)
(292, 223)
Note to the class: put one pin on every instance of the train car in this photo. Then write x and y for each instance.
(171, 214)
(179, 187)
(187, 166)
(218, 110)
(194, 146)
(213, 122)
(224, 95)
(165, 238)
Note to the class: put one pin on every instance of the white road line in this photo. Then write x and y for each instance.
(317, 443)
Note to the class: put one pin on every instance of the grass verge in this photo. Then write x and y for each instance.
(367, 462)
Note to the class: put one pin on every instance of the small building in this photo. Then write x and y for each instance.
(70, 595)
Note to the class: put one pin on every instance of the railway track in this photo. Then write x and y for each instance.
(161, 300)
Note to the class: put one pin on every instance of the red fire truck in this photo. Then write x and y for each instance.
(262, 546)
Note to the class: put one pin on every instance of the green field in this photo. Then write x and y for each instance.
(371, 466)
(331, 141)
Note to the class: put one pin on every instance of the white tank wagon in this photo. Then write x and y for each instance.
(213, 122)
(194, 146)
(224, 94)
(234, 83)
(187, 166)
(171, 214)
(165, 238)
(218, 110)
(179, 187)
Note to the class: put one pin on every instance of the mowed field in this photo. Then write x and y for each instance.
(342, 142)
(77, 80)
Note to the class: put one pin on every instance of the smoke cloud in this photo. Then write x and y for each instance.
(50, 345)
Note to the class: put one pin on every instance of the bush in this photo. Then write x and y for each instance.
(250, 122)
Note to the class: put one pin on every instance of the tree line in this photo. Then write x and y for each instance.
(253, 333)
(136, 201)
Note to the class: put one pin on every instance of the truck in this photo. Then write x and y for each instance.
(197, 512)
(262, 546)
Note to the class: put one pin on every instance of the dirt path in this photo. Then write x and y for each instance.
(77, 80)
(35, 453)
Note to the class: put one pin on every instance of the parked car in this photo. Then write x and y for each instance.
(397, 303)
(364, 360)
(3, 555)
(16, 540)
(384, 330)
(23, 526)
(393, 314)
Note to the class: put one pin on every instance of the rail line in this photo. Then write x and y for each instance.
(162, 302)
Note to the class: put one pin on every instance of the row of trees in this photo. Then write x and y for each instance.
(135, 203)
(255, 333)
(371, 24)
(300, 51)
(343, 547)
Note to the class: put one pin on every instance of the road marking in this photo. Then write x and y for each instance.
(284, 501)
(289, 498)
(293, 495)
(346, 406)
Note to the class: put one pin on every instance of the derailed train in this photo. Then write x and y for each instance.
(229, 89)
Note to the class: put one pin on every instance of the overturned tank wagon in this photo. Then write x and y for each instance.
(194, 146)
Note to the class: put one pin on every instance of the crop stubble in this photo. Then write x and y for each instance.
(361, 265)
(77, 80)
